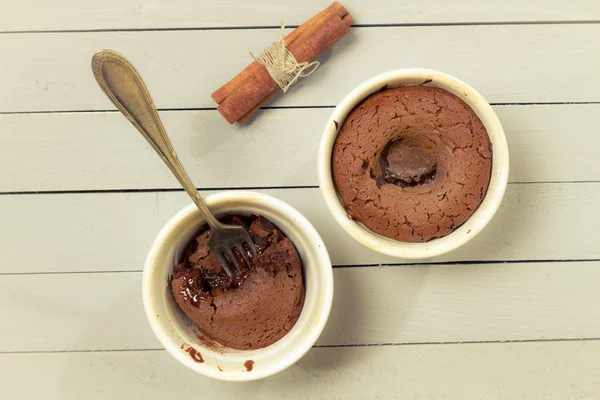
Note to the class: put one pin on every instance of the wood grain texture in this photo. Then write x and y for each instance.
(523, 371)
(113, 231)
(90, 151)
(136, 14)
(372, 305)
(514, 63)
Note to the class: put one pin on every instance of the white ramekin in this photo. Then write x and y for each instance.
(475, 223)
(177, 333)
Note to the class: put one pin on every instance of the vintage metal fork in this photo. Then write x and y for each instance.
(125, 88)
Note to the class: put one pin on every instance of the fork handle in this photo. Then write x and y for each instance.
(126, 89)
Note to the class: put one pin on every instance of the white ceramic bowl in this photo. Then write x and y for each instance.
(475, 223)
(177, 333)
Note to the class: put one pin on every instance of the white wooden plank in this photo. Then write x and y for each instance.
(115, 14)
(372, 305)
(103, 151)
(113, 231)
(84, 151)
(522, 371)
(517, 63)
(547, 143)
(97, 311)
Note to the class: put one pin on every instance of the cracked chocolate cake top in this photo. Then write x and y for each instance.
(412, 163)
(252, 310)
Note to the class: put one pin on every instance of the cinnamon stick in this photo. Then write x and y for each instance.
(255, 108)
(244, 94)
(220, 94)
(347, 20)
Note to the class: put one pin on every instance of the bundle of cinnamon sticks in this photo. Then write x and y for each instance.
(239, 98)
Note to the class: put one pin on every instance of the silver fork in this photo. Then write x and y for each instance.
(126, 89)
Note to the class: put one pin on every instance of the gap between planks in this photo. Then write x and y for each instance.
(385, 265)
(271, 27)
(170, 190)
(315, 107)
(328, 346)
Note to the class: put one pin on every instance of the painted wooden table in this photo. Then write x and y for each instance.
(515, 314)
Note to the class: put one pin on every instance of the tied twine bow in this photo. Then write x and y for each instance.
(282, 65)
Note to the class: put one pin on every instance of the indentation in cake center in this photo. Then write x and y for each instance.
(408, 161)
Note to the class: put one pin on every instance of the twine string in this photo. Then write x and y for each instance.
(282, 65)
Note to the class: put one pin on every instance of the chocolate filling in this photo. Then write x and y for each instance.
(408, 162)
